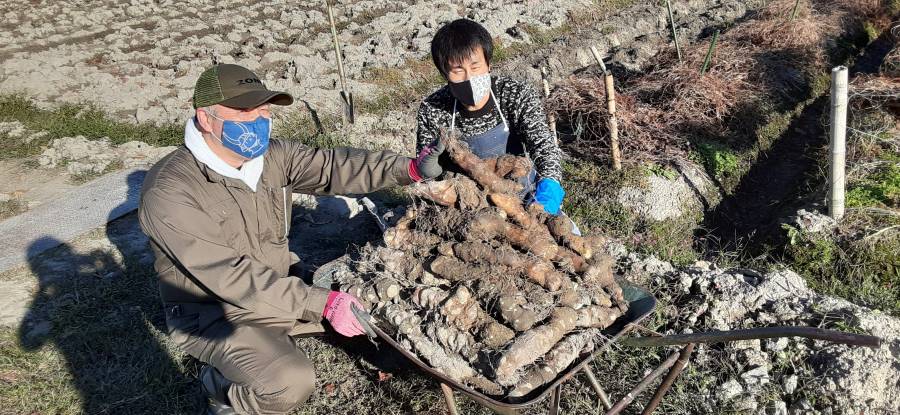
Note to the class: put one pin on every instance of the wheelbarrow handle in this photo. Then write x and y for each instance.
(833, 336)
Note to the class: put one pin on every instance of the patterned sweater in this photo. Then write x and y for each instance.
(529, 133)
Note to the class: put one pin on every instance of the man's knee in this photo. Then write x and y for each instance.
(288, 383)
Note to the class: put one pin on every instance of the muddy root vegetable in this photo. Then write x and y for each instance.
(555, 362)
(597, 316)
(514, 314)
(408, 325)
(456, 270)
(451, 338)
(533, 344)
(428, 297)
(398, 238)
(601, 274)
(494, 334)
(479, 171)
(442, 192)
(512, 166)
(461, 309)
(537, 270)
(512, 205)
(470, 196)
(561, 228)
(487, 227)
(387, 289)
(484, 385)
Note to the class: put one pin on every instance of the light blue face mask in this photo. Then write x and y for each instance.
(249, 139)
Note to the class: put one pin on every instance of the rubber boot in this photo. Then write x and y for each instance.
(215, 388)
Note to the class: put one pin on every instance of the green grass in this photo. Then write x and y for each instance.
(591, 202)
(863, 271)
(721, 162)
(880, 189)
(70, 120)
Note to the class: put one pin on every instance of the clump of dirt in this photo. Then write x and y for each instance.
(492, 294)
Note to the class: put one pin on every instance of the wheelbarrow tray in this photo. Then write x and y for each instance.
(640, 304)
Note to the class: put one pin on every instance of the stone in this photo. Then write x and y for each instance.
(790, 384)
(778, 408)
(729, 390)
(813, 222)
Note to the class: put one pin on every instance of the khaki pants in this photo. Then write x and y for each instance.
(269, 374)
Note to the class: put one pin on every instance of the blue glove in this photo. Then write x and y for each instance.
(549, 194)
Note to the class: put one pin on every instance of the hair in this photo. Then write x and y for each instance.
(457, 40)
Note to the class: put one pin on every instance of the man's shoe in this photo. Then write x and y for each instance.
(215, 388)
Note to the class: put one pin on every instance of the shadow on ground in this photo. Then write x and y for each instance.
(102, 315)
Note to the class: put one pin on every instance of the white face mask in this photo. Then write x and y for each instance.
(472, 90)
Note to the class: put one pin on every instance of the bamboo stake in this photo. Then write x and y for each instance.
(794, 11)
(613, 124)
(709, 53)
(346, 96)
(550, 118)
(838, 135)
(674, 31)
(598, 58)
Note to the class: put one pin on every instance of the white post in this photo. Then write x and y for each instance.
(838, 142)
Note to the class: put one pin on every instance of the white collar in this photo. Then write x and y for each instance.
(249, 173)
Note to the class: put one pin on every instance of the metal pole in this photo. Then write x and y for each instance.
(838, 142)
(595, 384)
(346, 96)
(555, 398)
(674, 32)
(667, 382)
(643, 384)
(550, 118)
(449, 399)
(757, 333)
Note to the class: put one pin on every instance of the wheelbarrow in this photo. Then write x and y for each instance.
(641, 304)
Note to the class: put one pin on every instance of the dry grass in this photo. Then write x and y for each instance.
(767, 63)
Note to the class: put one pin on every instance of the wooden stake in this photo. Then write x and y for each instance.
(838, 135)
(612, 123)
(709, 53)
(346, 96)
(674, 31)
(550, 118)
(794, 11)
(598, 58)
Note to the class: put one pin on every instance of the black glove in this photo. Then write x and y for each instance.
(426, 166)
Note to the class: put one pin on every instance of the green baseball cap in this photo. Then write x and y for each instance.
(235, 86)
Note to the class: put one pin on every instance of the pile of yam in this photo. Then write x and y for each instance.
(494, 294)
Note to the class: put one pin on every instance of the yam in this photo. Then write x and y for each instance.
(533, 344)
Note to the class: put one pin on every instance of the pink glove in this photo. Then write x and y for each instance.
(337, 312)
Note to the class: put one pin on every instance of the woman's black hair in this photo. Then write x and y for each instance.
(457, 40)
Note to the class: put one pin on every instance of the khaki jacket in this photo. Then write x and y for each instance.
(220, 246)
